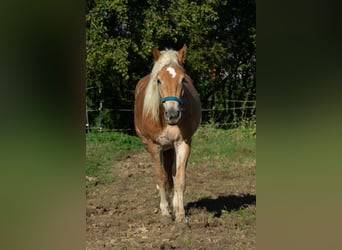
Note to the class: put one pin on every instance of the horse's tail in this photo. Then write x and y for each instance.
(169, 161)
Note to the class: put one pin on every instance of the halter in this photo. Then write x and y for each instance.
(171, 98)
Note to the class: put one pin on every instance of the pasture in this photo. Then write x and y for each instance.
(122, 210)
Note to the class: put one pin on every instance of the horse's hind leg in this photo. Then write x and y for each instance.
(182, 154)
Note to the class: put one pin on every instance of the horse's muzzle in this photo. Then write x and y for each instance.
(172, 115)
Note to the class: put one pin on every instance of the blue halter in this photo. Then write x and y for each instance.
(171, 98)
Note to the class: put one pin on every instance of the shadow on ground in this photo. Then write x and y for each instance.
(227, 203)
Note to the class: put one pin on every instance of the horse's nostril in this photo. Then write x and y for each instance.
(172, 114)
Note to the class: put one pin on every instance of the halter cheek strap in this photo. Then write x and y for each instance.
(171, 98)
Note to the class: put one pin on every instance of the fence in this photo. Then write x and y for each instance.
(208, 116)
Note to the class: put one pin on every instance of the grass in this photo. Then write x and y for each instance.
(187, 242)
(220, 146)
(216, 146)
(103, 148)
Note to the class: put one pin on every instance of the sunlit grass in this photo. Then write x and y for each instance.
(223, 147)
(103, 148)
(217, 147)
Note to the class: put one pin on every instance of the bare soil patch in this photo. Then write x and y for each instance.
(123, 212)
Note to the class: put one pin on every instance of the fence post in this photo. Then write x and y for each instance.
(100, 116)
(87, 118)
(87, 123)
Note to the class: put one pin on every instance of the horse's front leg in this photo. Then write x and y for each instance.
(161, 178)
(182, 154)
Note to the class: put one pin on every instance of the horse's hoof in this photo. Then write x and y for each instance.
(181, 218)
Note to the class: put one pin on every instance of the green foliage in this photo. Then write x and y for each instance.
(120, 35)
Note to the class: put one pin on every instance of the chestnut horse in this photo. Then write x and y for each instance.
(167, 112)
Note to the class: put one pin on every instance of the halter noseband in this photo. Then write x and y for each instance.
(171, 98)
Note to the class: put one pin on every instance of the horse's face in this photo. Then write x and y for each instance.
(171, 87)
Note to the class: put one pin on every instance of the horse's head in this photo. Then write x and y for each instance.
(171, 80)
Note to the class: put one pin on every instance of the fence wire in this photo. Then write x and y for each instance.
(99, 128)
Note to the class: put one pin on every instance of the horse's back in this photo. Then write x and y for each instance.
(192, 106)
(139, 102)
(140, 88)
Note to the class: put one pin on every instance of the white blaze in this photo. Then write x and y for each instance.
(172, 71)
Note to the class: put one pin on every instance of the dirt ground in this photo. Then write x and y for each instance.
(123, 212)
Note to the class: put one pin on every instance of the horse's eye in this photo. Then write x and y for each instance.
(158, 81)
(183, 81)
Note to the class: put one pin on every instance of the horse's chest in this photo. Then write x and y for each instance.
(168, 136)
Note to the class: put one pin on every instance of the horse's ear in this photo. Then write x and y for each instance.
(181, 54)
(156, 54)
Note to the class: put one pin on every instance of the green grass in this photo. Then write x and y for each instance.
(214, 146)
(187, 242)
(103, 148)
(223, 147)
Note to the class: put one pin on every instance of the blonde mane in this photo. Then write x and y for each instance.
(152, 98)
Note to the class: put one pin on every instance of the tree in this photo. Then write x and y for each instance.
(221, 36)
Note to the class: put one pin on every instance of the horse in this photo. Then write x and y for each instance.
(167, 112)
